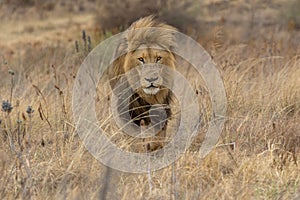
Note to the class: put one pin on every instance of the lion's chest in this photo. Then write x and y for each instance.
(139, 109)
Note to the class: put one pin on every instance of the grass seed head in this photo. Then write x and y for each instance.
(6, 106)
(29, 111)
(11, 72)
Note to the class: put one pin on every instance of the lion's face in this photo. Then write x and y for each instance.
(150, 63)
(146, 47)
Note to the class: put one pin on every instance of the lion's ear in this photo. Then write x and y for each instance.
(173, 58)
(116, 70)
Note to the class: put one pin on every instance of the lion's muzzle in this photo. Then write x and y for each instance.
(151, 89)
(151, 79)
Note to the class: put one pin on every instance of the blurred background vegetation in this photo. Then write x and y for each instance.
(255, 45)
(185, 15)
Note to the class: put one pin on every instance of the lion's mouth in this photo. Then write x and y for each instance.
(152, 89)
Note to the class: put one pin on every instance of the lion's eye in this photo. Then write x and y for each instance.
(141, 59)
(158, 58)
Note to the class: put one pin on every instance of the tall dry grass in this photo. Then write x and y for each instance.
(257, 156)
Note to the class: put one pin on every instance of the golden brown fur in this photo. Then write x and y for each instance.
(150, 48)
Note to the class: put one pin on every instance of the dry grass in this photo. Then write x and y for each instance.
(41, 156)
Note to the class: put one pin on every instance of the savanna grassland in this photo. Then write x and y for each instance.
(256, 47)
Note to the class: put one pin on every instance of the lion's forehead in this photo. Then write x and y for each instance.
(150, 54)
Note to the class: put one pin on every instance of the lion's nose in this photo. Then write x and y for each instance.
(151, 79)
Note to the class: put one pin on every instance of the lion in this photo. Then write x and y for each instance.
(147, 49)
